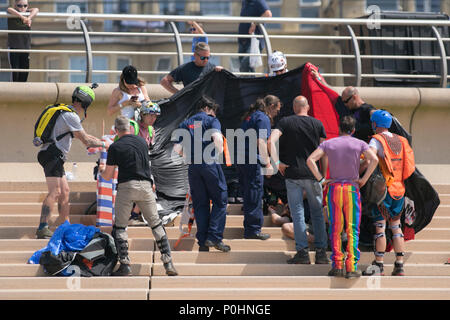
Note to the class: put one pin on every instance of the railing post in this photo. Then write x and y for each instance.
(176, 34)
(358, 67)
(87, 44)
(443, 57)
(267, 41)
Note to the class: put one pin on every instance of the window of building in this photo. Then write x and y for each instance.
(61, 6)
(53, 63)
(309, 9)
(163, 64)
(3, 22)
(385, 5)
(79, 63)
(275, 8)
(428, 5)
(122, 62)
(173, 7)
(234, 64)
(213, 7)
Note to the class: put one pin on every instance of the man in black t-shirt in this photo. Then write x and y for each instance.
(361, 111)
(190, 71)
(299, 136)
(130, 154)
(357, 108)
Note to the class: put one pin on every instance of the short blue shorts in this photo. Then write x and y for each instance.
(391, 209)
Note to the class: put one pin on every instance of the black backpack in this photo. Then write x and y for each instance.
(98, 258)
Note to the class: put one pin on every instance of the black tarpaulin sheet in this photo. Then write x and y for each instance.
(235, 95)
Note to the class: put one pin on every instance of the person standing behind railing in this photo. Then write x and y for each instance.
(192, 70)
(196, 28)
(250, 8)
(20, 60)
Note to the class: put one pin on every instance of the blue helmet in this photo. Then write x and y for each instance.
(382, 119)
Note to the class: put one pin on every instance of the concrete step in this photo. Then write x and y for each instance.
(70, 294)
(298, 282)
(14, 232)
(17, 257)
(39, 196)
(298, 294)
(427, 245)
(32, 220)
(249, 269)
(434, 234)
(439, 222)
(445, 199)
(52, 283)
(280, 257)
(14, 208)
(189, 244)
(75, 186)
(254, 257)
(443, 210)
(442, 188)
(236, 269)
(35, 244)
(34, 270)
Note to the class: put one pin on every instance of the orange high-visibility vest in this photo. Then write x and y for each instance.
(396, 168)
(226, 152)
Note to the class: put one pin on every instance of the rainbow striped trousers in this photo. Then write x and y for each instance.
(344, 211)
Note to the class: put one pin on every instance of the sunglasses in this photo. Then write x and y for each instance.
(203, 58)
(21, 5)
(192, 29)
(348, 99)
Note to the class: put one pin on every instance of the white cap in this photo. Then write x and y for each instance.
(277, 61)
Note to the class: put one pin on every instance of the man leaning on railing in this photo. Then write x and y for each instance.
(191, 71)
(20, 60)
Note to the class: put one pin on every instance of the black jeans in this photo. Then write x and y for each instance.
(19, 60)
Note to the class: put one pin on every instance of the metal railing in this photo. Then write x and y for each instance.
(177, 36)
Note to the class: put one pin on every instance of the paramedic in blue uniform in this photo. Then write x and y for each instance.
(206, 179)
(257, 124)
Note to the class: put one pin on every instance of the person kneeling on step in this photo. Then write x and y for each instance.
(130, 154)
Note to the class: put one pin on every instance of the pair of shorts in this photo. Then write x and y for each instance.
(52, 161)
(389, 209)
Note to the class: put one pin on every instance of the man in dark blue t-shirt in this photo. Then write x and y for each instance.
(206, 179)
(190, 71)
(257, 123)
(250, 8)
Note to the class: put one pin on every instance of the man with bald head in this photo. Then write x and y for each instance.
(301, 135)
(361, 111)
(356, 106)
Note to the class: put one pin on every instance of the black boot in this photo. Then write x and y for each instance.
(123, 271)
(301, 257)
(375, 269)
(119, 235)
(170, 269)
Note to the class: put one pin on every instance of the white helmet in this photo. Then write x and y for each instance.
(277, 61)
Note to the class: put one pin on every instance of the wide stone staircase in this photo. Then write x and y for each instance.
(253, 270)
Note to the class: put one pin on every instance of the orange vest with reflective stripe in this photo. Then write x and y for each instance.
(396, 168)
